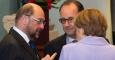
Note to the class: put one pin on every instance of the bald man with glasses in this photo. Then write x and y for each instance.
(18, 43)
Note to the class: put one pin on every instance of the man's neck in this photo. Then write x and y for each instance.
(72, 36)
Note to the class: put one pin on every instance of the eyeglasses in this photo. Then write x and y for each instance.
(39, 21)
(63, 20)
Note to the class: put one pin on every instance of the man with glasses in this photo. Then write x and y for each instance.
(68, 10)
(18, 43)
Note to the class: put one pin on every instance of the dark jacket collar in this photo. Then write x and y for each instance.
(20, 40)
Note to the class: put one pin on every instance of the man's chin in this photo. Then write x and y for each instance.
(35, 36)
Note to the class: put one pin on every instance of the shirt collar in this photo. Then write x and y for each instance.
(69, 40)
(93, 40)
(22, 34)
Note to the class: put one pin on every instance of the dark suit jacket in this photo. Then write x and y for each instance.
(14, 47)
(55, 46)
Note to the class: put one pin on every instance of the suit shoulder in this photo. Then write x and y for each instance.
(8, 39)
(59, 39)
(8, 43)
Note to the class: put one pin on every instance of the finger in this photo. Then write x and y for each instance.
(53, 56)
(47, 57)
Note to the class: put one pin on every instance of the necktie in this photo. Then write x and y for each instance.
(33, 46)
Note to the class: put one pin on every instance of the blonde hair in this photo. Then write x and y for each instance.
(92, 21)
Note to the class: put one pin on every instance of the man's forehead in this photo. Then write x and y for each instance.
(66, 17)
(70, 6)
(39, 15)
(69, 9)
(38, 12)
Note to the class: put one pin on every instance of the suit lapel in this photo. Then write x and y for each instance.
(20, 40)
(63, 39)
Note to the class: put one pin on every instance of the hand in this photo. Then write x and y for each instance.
(47, 57)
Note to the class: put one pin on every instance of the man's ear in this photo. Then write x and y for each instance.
(25, 19)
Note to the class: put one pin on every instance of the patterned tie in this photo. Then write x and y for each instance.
(33, 46)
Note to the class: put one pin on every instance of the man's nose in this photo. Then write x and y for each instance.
(41, 26)
(66, 23)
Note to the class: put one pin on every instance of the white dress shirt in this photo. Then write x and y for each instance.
(69, 40)
(22, 34)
